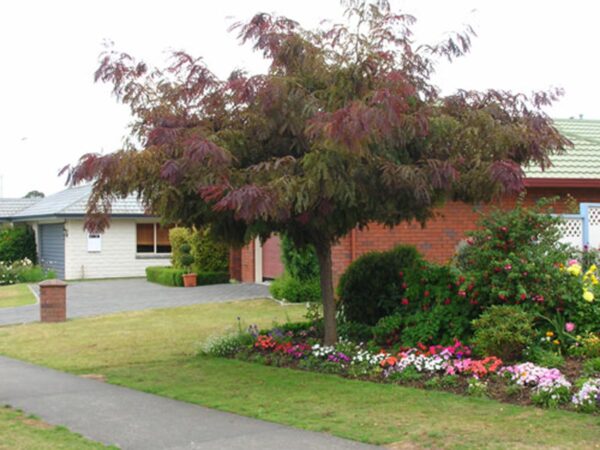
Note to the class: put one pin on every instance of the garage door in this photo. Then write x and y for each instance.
(271, 256)
(52, 248)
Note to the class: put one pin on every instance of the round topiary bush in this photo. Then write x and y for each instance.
(504, 331)
(372, 287)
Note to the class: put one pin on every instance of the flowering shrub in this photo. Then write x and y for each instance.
(514, 259)
(588, 397)
(22, 271)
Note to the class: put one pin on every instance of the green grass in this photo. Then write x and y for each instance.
(20, 432)
(154, 351)
(16, 295)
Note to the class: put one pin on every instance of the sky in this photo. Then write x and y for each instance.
(51, 111)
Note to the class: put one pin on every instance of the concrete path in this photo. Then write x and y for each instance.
(92, 298)
(135, 420)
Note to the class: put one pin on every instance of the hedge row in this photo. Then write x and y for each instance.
(169, 276)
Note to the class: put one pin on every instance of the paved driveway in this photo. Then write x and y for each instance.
(92, 298)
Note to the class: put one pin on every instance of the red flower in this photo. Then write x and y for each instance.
(404, 285)
(462, 293)
(426, 294)
(405, 301)
(447, 301)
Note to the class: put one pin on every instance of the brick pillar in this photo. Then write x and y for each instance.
(53, 301)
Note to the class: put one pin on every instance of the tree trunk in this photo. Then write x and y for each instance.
(323, 251)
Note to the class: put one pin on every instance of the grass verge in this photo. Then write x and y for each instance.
(153, 351)
(16, 295)
(21, 432)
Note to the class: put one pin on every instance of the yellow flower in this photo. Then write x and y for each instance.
(592, 268)
(588, 296)
(549, 333)
(556, 342)
(575, 269)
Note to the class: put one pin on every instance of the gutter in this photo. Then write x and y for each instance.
(563, 182)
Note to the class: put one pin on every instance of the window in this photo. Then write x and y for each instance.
(94, 243)
(152, 238)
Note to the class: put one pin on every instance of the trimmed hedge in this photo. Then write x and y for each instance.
(167, 276)
(205, 278)
(170, 276)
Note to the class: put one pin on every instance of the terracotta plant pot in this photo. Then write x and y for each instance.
(189, 280)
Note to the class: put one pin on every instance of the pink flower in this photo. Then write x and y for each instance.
(572, 262)
(462, 293)
(507, 267)
(569, 327)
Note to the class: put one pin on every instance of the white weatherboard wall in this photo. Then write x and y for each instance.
(117, 257)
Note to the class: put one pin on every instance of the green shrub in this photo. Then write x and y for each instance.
(592, 366)
(34, 274)
(545, 358)
(504, 331)
(372, 286)
(434, 308)
(387, 330)
(477, 388)
(185, 259)
(301, 264)
(167, 276)
(515, 258)
(170, 276)
(356, 332)
(23, 271)
(209, 254)
(294, 290)
(551, 399)
(205, 278)
(17, 243)
(178, 236)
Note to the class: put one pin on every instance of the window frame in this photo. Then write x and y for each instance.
(154, 251)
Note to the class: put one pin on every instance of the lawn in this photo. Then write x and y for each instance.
(21, 432)
(16, 295)
(154, 351)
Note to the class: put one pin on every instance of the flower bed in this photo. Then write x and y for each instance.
(452, 368)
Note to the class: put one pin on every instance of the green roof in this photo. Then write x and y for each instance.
(582, 160)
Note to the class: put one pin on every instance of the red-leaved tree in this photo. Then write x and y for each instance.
(344, 129)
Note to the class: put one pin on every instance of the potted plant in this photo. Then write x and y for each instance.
(186, 260)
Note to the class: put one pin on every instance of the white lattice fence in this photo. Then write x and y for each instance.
(571, 228)
(593, 225)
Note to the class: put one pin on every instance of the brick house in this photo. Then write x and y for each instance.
(575, 174)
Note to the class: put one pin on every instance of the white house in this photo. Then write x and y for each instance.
(133, 241)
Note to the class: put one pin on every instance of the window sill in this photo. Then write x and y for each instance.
(152, 256)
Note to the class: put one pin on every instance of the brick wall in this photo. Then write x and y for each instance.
(440, 237)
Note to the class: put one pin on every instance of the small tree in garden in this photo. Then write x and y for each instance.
(344, 129)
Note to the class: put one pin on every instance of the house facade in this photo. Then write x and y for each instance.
(133, 241)
(575, 174)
